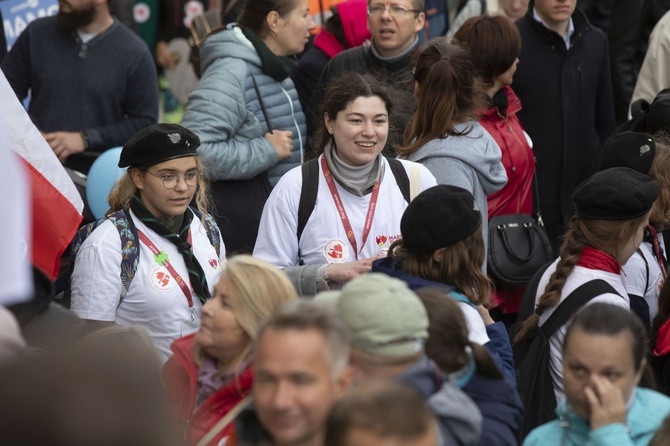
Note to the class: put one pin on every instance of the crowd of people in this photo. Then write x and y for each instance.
(304, 259)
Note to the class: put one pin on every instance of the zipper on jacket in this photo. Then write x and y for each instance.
(297, 127)
(518, 139)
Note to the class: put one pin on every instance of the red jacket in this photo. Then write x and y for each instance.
(517, 195)
(517, 157)
(180, 375)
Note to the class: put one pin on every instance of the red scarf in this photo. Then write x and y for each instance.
(596, 259)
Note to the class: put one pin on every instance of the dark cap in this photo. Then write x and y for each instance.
(158, 143)
(628, 149)
(619, 193)
(439, 217)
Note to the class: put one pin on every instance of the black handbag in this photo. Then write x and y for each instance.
(518, 247)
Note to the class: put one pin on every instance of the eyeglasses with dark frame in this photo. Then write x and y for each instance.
(170, 180)
(395, 10)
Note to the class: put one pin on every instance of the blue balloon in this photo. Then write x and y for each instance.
(104, 173)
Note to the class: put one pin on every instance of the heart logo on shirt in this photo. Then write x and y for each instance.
(381, 240)
(335, 251)
(160, 279)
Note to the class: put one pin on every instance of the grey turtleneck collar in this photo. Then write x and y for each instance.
(357, 180)
(408, 50)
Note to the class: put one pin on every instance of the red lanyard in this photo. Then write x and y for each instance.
(166, 263)
(343, 213)
(657, 251)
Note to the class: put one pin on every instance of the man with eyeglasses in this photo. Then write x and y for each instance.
(393, 26)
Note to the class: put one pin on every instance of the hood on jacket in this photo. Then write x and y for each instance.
(230, 42)
(457, 414)
(477, 149)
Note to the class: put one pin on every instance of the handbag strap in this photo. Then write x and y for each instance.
(574, 302)
(225, 421)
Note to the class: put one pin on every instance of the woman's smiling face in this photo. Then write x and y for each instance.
(360, 130)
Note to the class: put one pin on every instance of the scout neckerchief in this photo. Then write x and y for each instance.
(343, 213)
(182, 240)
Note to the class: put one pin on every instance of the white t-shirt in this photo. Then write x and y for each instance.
(475, 323)
(324, 239)
(577, 277)
(154, 301)
(642, 276)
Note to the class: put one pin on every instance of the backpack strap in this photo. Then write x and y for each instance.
(130, 253)
(310, 188)
(528, 301)
(212, 229)
(401, 177)
(574, 302)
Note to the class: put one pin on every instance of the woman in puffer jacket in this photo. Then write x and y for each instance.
(247, 113)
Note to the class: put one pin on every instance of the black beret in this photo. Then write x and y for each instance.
(158, 143)
(439, 217)
(619, 193)
(628, 149)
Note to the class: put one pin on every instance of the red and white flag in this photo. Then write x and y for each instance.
(56, 206)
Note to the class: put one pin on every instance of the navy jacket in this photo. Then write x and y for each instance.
(567, 108)
(498, 401)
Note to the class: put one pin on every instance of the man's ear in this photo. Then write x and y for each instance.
(420, 22)
(344, 381)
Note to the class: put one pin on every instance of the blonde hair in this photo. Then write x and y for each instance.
(124, 190)
(258, 288)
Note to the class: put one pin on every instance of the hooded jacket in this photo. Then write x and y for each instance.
(458, 416)
(225, 111)
(644, 418)
(472, 161)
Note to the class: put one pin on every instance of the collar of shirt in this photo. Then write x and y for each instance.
(566, 37)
